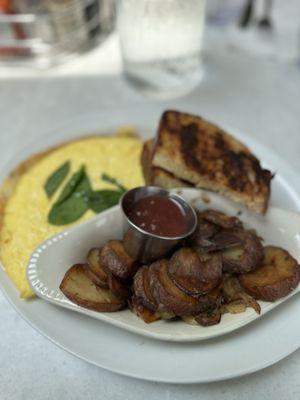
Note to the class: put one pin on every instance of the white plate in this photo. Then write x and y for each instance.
(50, 261)
(250, 349)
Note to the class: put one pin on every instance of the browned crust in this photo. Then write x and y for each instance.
(138, 308)
(116, 261)
(118, 288)
(96, 280)
(253, 253)
(172, 298)
(202, 153)
(141, 289)
(276, 290)
(155, 176)
(77, 299)
(192, 275)
(93, 261)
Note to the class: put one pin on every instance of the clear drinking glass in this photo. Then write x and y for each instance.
(46, 32)
(161, 43)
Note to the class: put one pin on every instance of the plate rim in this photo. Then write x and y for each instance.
(241, 373)
(41, 289)
(287, 174)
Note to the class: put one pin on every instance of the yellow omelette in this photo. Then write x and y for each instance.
(24, 220)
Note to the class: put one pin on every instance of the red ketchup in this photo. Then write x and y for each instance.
(161, 216)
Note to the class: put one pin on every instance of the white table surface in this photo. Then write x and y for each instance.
(255, 96)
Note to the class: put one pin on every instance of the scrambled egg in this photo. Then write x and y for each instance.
(25, 223)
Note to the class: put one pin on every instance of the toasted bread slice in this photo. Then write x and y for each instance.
(155, 176)
(78, 287)
(203, 154)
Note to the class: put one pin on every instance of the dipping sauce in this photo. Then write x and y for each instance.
(160, 216)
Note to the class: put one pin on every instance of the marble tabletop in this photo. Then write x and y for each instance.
(256, 96)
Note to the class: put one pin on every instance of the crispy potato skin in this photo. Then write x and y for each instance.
(252, 255)
(118, 288)
(235, 298)
(142, 312)
(216, 231)
(220, 219)
(276, 277)
(208, 319)
(93, 260)
(96, 280)
(115, 260)
(192, 275)
(79, 288)
(141, 288)
(170, 298)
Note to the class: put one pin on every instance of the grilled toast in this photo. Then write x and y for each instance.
(155, 176)
(203, 154)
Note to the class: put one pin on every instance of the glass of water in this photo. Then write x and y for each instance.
(161, 43)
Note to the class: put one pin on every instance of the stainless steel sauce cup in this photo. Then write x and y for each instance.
(144, 246)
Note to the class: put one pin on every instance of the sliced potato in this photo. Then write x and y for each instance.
(116, 261)
(244, 257)
(233, 293)
(209, 318)
(141, 288)
(145, 314)
(220, 219)
(142, 312)
(192, 274)
(204, 318)
(96, 280)
(80, 289)
(169, 297)
(119, 289)
(93, 259)
(203, 234)
(277, 275)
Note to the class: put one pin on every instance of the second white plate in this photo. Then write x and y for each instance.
(51, 259)
(249, 349)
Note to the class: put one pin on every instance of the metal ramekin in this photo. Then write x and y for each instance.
(144, 246)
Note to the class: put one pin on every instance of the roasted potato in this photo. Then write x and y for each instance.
(204, 319)
(169, 297)
(116, 261)
(215, 231)
(193, 275)
(203, 234)
(235, 299)
(147, 315)
(277, 275)
(118, 288)
(96, 280)
(208, 318)
(95, 270)
(220, 219)
(141, 311)
(244, 257)
(141, 288)
(80, 289)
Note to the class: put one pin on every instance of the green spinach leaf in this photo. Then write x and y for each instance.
(68, 211)
(56, 178)
(105, 177)
(102, 199)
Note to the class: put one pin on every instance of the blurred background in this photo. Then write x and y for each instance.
(160, 46)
